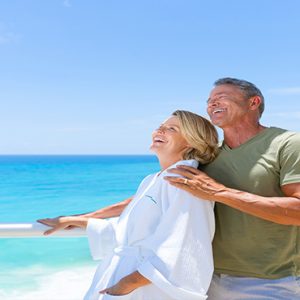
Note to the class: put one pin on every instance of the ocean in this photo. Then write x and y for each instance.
(33, 187)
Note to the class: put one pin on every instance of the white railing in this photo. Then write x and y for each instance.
(26, 230)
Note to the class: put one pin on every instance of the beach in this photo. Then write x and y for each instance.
(33, 187)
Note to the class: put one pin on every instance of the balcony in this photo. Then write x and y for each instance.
(29, 230)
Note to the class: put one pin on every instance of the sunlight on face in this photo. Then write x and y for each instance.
(227, 105)
(168, 139)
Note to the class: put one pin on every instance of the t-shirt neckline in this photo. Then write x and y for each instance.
(251, 140)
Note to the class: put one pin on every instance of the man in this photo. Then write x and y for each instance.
(257, 240)
(255, 182)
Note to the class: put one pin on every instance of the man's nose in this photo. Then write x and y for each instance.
(212, 103)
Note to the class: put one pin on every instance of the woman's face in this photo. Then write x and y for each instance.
(168, 140)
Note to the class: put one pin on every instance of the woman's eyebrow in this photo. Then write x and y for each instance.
(173, 125)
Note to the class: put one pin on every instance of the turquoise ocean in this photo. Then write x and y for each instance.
(33, 187)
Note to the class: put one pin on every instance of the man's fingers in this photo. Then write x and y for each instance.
(179, 182)
(181, 172)
(182, 182)
(173, 179)
(190, 169)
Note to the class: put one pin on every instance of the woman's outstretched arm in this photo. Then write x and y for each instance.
(113, 210)
(80, 220)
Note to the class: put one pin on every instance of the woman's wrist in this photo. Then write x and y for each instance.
(135, 280)
(76, 221)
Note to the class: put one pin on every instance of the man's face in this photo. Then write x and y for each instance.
(227, 106)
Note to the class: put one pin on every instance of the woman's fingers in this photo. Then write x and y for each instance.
(44, 221)
(105, 291)
(50, 231)
(52, 223)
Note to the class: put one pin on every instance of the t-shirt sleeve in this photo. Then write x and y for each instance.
(290, 160)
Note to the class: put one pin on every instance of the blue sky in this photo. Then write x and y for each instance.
(96, 77)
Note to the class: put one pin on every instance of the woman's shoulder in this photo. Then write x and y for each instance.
(189, 162)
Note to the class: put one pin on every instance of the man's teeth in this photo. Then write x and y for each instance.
(218, 110)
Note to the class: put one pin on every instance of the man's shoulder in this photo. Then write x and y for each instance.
(284, 136)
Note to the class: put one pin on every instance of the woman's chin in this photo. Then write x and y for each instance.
(154, 149)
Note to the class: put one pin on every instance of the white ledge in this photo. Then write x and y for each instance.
(23, 230)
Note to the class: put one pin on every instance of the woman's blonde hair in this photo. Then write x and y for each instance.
(200, 134)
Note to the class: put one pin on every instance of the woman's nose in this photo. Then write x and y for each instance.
(160, 129)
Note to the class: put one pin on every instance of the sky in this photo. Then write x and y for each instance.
(96, 77)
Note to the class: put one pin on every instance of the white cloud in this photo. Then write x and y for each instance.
(7, 38)
(67, 3)
(285, 91)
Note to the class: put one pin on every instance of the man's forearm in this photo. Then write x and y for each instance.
(110, 211)
(281, 210)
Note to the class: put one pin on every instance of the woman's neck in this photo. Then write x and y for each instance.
(166, 162)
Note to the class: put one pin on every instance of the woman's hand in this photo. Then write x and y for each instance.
(60, 223)
(119, 289)
(127, 284)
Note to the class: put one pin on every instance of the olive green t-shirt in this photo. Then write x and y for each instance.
(245, 245)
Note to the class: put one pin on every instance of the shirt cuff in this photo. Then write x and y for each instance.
(101, 237)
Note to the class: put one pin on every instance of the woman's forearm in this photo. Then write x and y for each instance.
(108, 212)
(127, 284)
(135, 280)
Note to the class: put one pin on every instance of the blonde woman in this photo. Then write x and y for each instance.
(161, 243)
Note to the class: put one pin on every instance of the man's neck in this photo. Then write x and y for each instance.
(236, 136)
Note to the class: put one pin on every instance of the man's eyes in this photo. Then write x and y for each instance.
(217, 99)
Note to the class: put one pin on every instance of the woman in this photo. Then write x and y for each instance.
(161, 243)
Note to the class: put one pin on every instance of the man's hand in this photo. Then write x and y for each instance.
(282, 210)
(195, 182)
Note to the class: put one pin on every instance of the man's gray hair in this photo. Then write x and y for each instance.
(248, 89)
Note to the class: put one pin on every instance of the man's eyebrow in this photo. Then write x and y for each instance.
(216, 96)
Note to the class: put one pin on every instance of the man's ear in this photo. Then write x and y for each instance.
(255, 102)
